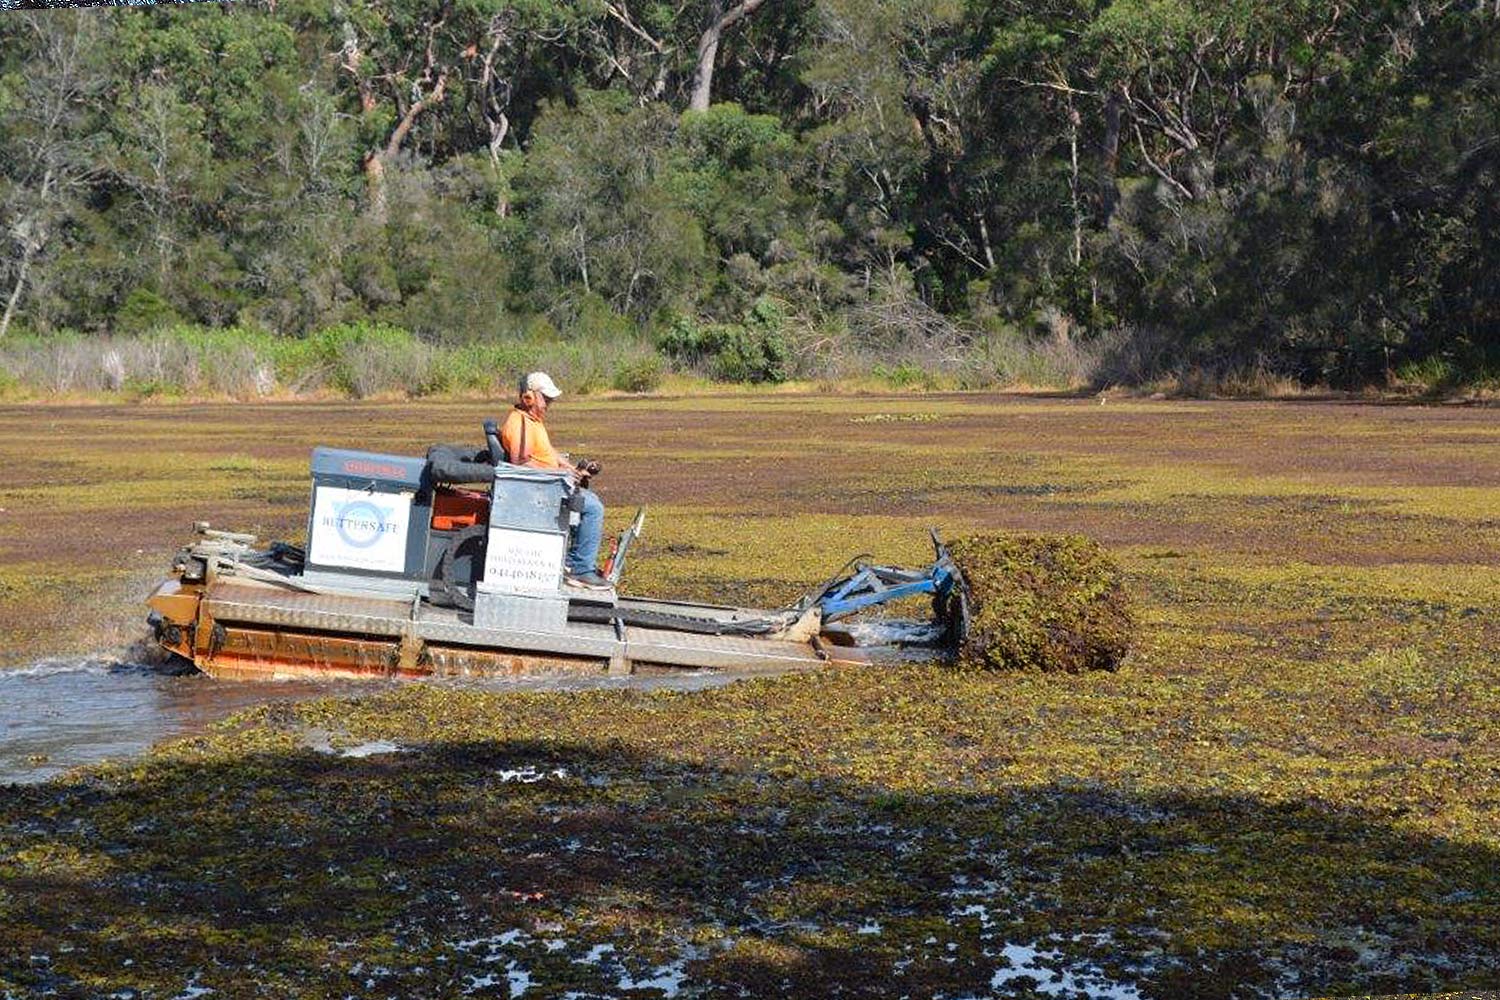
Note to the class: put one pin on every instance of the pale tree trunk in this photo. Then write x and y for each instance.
(375, 161)
(491, 105)
(352, 61)
(59, 81)
(621, 13)
(984, 241)
(1073, 182)
(15, 293)
(715, 21)
(33, 242)
(375, 185)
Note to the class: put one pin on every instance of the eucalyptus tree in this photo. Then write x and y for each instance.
(53, 72)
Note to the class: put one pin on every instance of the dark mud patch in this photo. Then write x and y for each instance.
(678, 549)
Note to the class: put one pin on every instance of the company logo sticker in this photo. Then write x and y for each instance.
(361, 524)
(360, 530)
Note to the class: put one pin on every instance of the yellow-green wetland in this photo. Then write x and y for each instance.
(1290, 788)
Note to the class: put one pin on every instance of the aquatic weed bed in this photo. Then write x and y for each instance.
(911, 832)
(1287, 790)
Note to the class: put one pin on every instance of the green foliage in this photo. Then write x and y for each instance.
(754, 350)
(598, 218)
(595, 320)
(478, 367)
(363, 358)
(638, 376)
(732, 174)
(1218, 186)
(143, 311)
(904, 375)
(354, 359)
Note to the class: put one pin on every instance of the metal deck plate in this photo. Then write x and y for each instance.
(267, 605)
(725, 652)
(378, 617)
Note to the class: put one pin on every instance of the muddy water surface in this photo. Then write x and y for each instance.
(58, 714)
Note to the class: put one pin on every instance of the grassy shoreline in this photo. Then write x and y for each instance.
(678, 387)
(381, 363)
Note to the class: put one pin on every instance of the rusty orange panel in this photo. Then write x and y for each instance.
(176, 603)
(243, 651)
(453, 509)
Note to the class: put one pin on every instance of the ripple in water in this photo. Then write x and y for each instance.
(61, 713)
(58, 714)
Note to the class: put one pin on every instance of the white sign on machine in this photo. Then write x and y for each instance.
(523, 562)
(359, 530)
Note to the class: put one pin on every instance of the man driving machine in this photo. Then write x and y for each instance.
(525, 440)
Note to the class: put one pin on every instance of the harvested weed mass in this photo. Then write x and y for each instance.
(1288, 789)
(1054, 603)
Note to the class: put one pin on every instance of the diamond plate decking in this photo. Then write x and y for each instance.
(257, 604)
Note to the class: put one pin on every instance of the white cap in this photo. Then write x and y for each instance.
(540, 382)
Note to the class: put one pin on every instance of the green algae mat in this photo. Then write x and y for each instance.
(1289, 789)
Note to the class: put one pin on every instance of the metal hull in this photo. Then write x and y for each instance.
(233, 627)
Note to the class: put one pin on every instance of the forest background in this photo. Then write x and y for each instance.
(425, 196)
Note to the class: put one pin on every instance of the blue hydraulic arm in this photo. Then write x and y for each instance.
(870, 585)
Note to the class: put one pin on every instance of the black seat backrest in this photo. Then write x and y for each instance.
(453, 464)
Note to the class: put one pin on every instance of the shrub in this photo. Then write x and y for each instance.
(595, 320)
(149, 388)
(752, 351)
(1427, 373)
(367, 368)
(905, 375)
(364, 358)
(479, 367)
(638, 376)
(144, 311)
(359, 359)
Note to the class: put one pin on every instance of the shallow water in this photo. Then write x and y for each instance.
(58, 714)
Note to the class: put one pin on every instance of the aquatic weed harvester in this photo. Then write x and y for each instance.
(453, 565)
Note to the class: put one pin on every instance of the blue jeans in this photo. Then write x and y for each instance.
(583, 554)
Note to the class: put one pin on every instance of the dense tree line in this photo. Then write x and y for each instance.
(1310, 186)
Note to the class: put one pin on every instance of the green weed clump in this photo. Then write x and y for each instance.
(1042, 603)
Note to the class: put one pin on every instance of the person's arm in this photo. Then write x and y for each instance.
(539, 451)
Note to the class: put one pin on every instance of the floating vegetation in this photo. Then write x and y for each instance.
(1290, 792)
(896, 418)
(1042, 602)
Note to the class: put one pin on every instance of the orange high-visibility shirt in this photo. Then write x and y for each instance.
(532, 448)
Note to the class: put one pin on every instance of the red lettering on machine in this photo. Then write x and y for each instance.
(364, 467)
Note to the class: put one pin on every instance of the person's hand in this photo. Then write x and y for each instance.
(589, 468)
